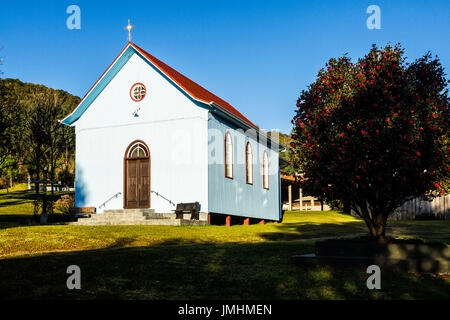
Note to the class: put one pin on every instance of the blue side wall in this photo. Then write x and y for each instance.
(235, 196)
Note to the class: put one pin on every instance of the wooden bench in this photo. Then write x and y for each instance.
(82, 211)
(191, 208)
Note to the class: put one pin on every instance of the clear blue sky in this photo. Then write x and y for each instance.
(257, 55)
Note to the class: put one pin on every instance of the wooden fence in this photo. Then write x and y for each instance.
(438, 208)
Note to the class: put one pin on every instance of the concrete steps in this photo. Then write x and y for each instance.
(109, 211)
(154, 222)
(135, 217)
(131, 216)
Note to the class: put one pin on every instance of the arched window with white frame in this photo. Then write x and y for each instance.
(228, 156)
(265, 170)
(248, 163)
(137, 150)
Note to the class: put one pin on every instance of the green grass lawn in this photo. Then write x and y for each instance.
(211, 262)
(17, 203)
(19, 240)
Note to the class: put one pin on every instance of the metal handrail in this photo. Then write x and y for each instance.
(159, 195)
(114, 196)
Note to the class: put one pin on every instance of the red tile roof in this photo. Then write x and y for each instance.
(192, 88)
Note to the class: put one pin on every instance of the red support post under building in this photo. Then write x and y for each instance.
(261, 222)
(246, 221)
(228, 221)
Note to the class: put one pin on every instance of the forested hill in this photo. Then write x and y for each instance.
(285, 140)
(31, 138)
(14, 88)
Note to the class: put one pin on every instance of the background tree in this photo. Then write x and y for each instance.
(35, 124)
(374, 134)
(49, 139)
(31, 137)
(285, 140)
(59, 139)
(9, 132)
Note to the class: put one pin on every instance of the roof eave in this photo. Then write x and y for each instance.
(66, 120)
(245, 124)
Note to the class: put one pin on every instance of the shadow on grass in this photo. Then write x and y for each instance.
(201, 271)
(307, 230)
(121, 242)
(7, 222)
(426, 230)
(20, 195)
(16, 207)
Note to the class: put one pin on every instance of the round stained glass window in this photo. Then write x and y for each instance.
(137, 92)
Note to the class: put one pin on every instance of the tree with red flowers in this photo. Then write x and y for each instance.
(374, 134)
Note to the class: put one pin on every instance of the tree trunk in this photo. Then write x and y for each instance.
(36, 189)
(52, 174)
(377, 227)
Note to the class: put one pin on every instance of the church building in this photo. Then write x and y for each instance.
(149, 137)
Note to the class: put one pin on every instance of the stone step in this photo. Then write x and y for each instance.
(129, 211)
(118, 220)
(131, 216)
(150, 213)
(160, 222)
(138, 217)
(155, 215)
(114, 220)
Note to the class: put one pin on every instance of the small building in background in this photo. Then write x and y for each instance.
(292, 197)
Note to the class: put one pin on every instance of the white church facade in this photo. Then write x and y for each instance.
(149, 137)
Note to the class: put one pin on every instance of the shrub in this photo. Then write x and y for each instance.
(65, 203)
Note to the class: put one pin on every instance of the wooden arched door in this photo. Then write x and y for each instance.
(137, 176)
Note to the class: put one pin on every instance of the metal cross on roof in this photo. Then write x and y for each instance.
(129, 27)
